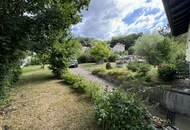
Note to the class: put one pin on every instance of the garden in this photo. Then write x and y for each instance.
(38, 90)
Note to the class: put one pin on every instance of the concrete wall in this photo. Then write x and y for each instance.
(173, 100)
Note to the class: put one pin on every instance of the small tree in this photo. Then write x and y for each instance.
(61, 54)
(100, 51)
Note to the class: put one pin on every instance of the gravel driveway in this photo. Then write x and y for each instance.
(89, 76)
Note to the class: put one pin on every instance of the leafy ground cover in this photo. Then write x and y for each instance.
(42, 103)
(115, 110)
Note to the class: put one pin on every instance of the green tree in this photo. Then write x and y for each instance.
(32, 25)
(100, 51)
(128, 40)
(149, 46)
(61, 54)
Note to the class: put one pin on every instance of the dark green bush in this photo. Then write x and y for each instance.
(35, 60)
(112, 57)
(58, 61)
(167, 71)
(131, 50)
(118, 111)
(141, 68)
(86, 59)
(9, 74)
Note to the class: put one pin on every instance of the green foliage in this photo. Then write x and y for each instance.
(141, 68)
(113, 57)
(81, 85)
(115, 73)
(100, 51)
(32, 25)
(86, 57)
(98, 71)
(114, 110)
(131, 50)
(85, 41)
(9, 74)
(120, 111)
(128, 40)
(167, 72)
(35, 60)
(149, 46)
(61, 54)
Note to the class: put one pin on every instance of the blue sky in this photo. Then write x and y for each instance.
(107, 18)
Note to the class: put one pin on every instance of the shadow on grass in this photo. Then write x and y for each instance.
(34, 79)
(80, 93)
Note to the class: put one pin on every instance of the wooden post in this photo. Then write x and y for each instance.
(188, 49)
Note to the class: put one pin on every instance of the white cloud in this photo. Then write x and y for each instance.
(104, 18)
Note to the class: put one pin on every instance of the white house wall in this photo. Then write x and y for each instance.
(188, 47)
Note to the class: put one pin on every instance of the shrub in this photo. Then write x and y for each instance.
(141, 68)
(99, 71)
(86, 59)
(118, 111)
(9, 74)
(112, 57)
(113, 110)
(131, 50)
(80, 84)
(100, 51)
(167, 71)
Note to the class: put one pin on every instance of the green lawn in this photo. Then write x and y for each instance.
(31, 68)
(93, 66)
(40, 102)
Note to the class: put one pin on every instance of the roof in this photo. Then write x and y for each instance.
(178, 13)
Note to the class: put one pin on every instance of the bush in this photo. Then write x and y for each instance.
(112, 57)
(141, 68)
(118, 111)
(100, 51)
(131, 50)
(99, 71)
(113, 110)
(81, 85)
(86, 59)
(167, 71)
(9, 74)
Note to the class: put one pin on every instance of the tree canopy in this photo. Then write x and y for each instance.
(100, 50)
(128, 40)
(33, 25)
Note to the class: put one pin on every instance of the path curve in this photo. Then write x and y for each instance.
(89, 76)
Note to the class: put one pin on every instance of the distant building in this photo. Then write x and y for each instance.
(118, 48)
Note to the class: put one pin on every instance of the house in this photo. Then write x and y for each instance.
(178, 13)
(118, 48)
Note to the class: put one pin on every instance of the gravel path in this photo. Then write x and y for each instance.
(88, 75)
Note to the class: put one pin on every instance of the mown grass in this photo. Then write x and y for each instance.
(93, 66)
(31, 68)
(40, 102)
